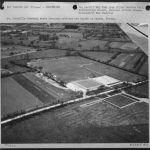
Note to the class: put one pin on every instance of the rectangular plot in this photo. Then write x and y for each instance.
(15, 97)
(120, 101)
(67, 68)
(103, 56)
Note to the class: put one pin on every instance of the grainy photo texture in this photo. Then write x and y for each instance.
(74, 83)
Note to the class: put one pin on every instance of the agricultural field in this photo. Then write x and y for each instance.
(144, 68)
(126, 60)
(67, 69)
(70, 34)
(37, 91)
(15, 97)
(17, 49)
(73, 68)
(51, 87)
(102, 56)
(75, 41)
(137, 62)
(67, 43)
(50, 53)
(96, 123)
(123, 45)
(93, 45)
(114, 72)
(120, 101)
(141, 91)
(96, 67)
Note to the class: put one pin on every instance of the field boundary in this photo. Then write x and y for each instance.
(99, 61)
(120, 107)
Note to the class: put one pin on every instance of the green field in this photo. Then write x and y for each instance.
(15, 97)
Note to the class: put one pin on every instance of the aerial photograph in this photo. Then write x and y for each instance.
(74, 83)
